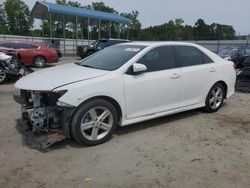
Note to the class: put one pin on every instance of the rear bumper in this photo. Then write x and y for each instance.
(53, 60)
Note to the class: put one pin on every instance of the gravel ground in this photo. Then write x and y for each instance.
(190, 149)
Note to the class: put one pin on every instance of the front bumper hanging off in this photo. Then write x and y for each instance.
(56, 120)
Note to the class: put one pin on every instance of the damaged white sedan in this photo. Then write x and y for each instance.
(122, 85)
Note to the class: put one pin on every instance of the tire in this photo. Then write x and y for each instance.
(215, 98)
(40, 62)
(90, 53)
(3, 76)
(94, 122)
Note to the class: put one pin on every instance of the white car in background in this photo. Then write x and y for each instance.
(122, 85)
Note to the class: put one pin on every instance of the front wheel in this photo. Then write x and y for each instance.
(215, 98)
(3, 76)
(94, 122)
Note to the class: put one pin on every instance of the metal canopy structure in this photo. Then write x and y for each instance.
(56, 12)
(42, 10)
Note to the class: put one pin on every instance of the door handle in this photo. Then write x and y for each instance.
(175, 76)
(212, 69)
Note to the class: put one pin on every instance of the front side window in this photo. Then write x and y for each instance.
(160, 58)
(111, 58)
(188, 56)
(25, 46)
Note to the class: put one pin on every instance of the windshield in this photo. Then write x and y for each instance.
(111, 58)
(94, 43)
(229, 52)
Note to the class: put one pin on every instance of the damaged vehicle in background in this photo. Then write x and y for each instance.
(239, 55)
(87, 50)
(10, 67)
(121, 85)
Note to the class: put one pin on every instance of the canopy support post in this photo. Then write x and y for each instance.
(76, 31)
(88, 30)
(50, 26)
(99, 30)
(42, 30)
(119, 30)
(127, 32)
(109, 28)
(64, 48)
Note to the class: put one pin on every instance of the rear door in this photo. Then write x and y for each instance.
(197, 72)
(27, 51)
(156, 90)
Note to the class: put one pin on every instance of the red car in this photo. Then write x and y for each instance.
(30, 53)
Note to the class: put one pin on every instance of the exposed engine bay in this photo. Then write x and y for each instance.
(43, 115)
(42, 111)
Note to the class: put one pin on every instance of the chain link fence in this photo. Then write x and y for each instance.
(68, 46)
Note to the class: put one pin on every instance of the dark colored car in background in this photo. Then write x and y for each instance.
(30, 53)
(86, 50)
(239, 55)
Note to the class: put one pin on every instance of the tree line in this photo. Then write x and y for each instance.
(15, 19)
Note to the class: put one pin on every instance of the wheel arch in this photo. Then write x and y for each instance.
(109, 99)
(39, 56)
(225, 87)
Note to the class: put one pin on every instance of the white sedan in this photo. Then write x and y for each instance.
(122, 85)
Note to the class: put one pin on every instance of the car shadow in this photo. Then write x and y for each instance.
(155, 122)
(30, 140)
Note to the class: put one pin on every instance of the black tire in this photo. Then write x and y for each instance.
(210, 108)
(40, 61)
(82, 112)
(90, 53)
(3, 76)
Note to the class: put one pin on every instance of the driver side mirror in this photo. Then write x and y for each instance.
(138, 68)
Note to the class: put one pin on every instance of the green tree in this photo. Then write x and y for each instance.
(135, 24)
(61, 2)
(3, 21)
(18, 17)
(202, 31)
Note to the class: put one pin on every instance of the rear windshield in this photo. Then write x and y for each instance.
(111, 58)
(229, 52)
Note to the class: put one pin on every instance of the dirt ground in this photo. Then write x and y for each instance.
(190, 149)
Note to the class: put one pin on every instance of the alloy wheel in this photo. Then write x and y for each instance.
(216, 98)
(96, 123)
(2, 75)
(40, 62)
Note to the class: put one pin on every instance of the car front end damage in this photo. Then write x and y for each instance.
(44, 117)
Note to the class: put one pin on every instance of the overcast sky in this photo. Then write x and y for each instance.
(232, 12)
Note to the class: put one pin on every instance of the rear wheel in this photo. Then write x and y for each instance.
(215, 98)
(39, 61)
(3, 76)
(94, 122)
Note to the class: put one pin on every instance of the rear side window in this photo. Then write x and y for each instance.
(206, 59)
(160, 58)
(189, 56)
(25, 46)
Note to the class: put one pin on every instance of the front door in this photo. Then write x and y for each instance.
(156, 90)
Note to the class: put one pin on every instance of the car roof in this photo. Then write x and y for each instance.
(111, 39)
(21, 41)
(156, 43)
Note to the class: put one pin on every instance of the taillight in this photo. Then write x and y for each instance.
(234, 66)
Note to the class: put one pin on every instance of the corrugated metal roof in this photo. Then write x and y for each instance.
(41, 10)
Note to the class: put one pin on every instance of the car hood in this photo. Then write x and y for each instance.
(51, 78)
